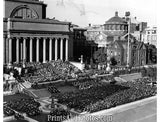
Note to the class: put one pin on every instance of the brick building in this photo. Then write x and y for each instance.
(114, 36)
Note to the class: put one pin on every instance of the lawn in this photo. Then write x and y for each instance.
(41, 93)
(63, 89)
(15, 97)
(67, 88)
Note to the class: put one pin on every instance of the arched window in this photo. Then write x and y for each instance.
(24, 12)
(118, 27)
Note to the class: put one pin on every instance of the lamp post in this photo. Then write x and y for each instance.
(108, 68)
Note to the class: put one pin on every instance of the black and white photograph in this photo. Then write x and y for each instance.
(79, 60)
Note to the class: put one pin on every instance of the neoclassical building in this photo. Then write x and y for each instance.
(28, 35)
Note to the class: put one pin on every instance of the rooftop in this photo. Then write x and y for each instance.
(116, 20)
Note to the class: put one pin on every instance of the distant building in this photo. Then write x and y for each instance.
(115, 27)
(150, 35)
(137, 28)
(114, 35)
(79, 43)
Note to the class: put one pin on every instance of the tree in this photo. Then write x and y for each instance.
(113, 61)
(100, 56)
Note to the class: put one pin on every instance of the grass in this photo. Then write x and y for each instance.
(15, 97)
(65, 89)
(42, 93)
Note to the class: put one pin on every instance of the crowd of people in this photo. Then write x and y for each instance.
(78, 100)
(50, 71)
(25, 105)
(65, 67)
(136, 91)
(93, 95)
(104, 95)
(7, 111)
(84, 83)
(58, 115)
(53, 89)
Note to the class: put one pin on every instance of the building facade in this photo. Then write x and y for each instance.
(28, 35)
(150, 35)
(114, 36)
(79, 43)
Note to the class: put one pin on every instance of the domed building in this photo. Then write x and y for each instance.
(115, 26)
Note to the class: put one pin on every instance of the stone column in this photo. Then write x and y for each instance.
(4, 50)
(50, 49)
(31, 51)
(17, 50)
(21, 51)
(56, 53)
(61, 49)
(10, 50)
(24, 48)
(44, 50)
(66, 50)
(37, 50)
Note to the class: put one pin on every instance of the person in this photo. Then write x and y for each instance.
(7, 86)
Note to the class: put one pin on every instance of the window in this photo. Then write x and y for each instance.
(152, 37)
(118, 27)
(122, 27)
(107, 27)
(148, 37)
(110, 27)
(154, 32)
(24, 12)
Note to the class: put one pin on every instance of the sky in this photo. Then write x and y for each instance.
(83, 12)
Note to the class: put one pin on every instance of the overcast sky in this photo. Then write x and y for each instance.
(83, 12)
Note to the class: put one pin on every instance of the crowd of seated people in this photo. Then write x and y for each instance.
(25, 105)
(53, 70)
(7, 111)
(84, 83)
(53, 89)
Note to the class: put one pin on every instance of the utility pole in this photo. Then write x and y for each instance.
(127, 14)
(128, 56)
